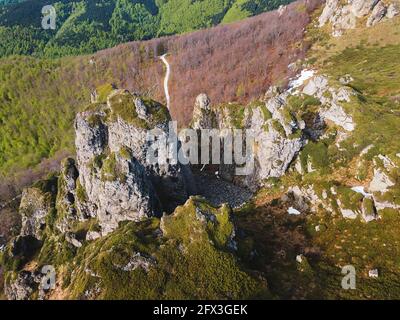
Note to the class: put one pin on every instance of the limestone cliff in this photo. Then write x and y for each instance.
(114, 174)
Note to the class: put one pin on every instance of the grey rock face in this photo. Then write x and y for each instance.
(392, 10)
(66, 197)
(203, 117)
(274, 151)
(345, 16)
(377, 14)
(279, 134)
(141, 108)
(361, 8)
(380, 182)
(92, 235)
(343, 20)
(112, 149)
(138, 260)
(25, 284)
(22, 287)
(337, 115)
(368, 210)
(35, 206)
(331, 100)
(273, 148)
(329, 11)
(348, 213)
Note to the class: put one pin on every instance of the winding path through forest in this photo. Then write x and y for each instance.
(166, 79)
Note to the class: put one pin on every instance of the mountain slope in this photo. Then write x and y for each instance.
(46, 94)
(327, 183)
(88, 26)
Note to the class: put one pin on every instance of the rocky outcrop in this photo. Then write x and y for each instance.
(274, 149)
(380, 182)
(279, 133)
(138, 260)
(25, 285)
(361, 8)
(36, 203)
(368, 210)
(341, 200)
(331, 99)
(71, 202)
(392, 10)
(277, 136)
(22, 287)
(377, 14)
(112, 147)
(383, 185)
(203, 117)
(345, 16)
(350, 203)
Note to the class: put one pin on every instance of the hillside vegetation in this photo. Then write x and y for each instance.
(335, 204)
(328, 239)
(86, 26)
(39, 97)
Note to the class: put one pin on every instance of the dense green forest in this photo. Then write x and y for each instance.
(5, 2)
(86, 26)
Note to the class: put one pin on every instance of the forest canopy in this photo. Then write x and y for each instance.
(86, 26)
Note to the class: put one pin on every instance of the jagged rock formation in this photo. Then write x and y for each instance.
(274, 149)
(112, 150)
(71, 201)
(203, 117)
(331, 100)
(280, 129)
(383, 184)
(346, 16)
(22, 287)
(195, 230)
(352, 202)
(276, 143)
(112, 180)
(36, 204)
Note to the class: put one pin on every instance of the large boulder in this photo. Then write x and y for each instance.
(276, 144)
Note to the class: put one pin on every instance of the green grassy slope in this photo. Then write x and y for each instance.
(189, 259)
(372, 58)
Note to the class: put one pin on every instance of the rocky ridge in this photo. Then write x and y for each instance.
(104, 207)
(347, 15)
